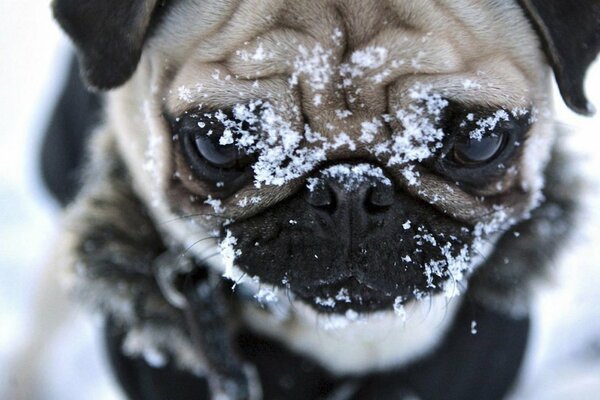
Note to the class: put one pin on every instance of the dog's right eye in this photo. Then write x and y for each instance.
(207, 142)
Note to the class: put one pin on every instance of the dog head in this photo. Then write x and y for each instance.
(360, 154)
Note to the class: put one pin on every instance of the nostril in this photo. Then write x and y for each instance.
(321, 196)
(380, 195)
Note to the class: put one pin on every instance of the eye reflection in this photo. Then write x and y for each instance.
(472, 151)
(222, 156)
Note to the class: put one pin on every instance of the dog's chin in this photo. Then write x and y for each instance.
(406, 252)
(346, 295)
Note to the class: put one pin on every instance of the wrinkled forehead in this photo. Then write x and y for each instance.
(345, 53)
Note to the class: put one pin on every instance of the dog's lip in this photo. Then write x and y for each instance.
(344, 295)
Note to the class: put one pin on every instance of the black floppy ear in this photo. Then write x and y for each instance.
(108, 34)
(570, 30)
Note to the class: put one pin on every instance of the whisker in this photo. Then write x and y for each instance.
(184, 253)
(240, 279)
(288, 294)
(218, 253)
(189, 216)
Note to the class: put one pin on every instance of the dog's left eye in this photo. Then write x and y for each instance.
(470, 151)
(207, 142)
(479, 146)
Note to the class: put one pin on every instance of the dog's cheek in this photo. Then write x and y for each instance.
(536, 157)
(145, 143)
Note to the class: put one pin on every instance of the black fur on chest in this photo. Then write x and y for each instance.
(467, 365)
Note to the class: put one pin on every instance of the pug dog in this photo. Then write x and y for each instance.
(336, 199)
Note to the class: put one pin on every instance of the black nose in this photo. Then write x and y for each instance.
(349, 188)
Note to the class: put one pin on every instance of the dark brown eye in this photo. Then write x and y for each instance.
(216, 153)
(474, 151)
(208, 144)
(479, 145)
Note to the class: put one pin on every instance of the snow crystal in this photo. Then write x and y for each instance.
(216, 204)
(488, 124)
(473, 327)
(362, 61)
(267, 295)
(312, 183)
(185, 94)
(343, 114)
(343, 295)
(244, 202)
(399, 308)
(371, 57)
(317, 100)
(259, 54)
(343, 140)
(313, 64)
(350, 175)
(154, 357)
(328, 302)
(469, 84)
(368, 130)
(420, 136)
(229, 253)
(411, 176)
(337, 35)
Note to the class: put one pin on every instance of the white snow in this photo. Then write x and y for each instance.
(488, 124)
(229, 253)
(315, 65)
(216, 204)
(420, 135)
(352, 175)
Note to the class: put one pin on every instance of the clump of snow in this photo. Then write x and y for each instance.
(368, 130)
(399, 309)
(327, 302)
(343, 295)
(370, 57)
(411, 176)
(473, 327)
(350, 176)
(229, 253)
(338, 322)
(362, 61)
(469, 84)
(267, 295)
(488, 124)
(216, 204)
(313, 64)
(421, 135)
(259, 129)
(245, 201)
(259, 54)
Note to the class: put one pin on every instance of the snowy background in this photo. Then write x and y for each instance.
(58, 347)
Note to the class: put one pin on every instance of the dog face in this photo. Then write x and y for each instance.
(359, 154)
